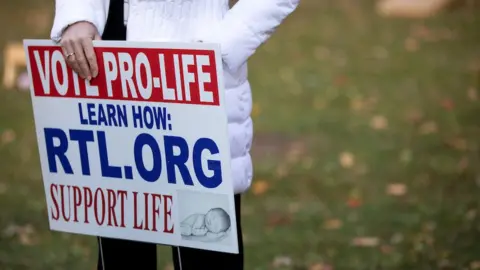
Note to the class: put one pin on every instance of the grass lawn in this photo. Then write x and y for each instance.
(366, 150)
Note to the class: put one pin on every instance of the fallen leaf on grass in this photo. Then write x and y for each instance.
(414, 115)
(379, 122)
(333, 224)
(354, 203)
(472, 94)
(357, 104)
(169, 267)
(295, 151)
(428, 128)
(282, 261)
(397, 189)
(463, 164)
(365, 241)
(471, 214)
(8, 136)
(340, 80)
(293, 207)
(320, 266)
(447, 104)
(260, 187)
(347, 159)
(411, 44)
(26, 234)
(275, 220)
(256, 110)
(457, 143)
(386, 249)
(475, 265)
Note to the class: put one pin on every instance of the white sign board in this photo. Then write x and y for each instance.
(141, 152)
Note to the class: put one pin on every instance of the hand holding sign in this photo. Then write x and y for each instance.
(78, 48)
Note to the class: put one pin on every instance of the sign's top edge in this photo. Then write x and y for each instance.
(130, 44)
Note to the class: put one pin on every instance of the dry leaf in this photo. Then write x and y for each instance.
(379, 122)
(259, 187)
(414, 115)
(472, 94)
(169, 267)
(366, 241)
(354, 202)
(411, 44)
(357, 104)
(255, 110)
(447, 104)
(26, 235)
(14, 60)
(471, 214)
(8, 136)
(277, 219)
(282, 261)
(396, 189)
(347, 160)
(320, 266)
(295, 151)
(333, 224)
(475, 265)
(293, 207)
(411, 8)
(386, 249)
(428, 128)
(458, 143)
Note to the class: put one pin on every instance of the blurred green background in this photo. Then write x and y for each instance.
(366, 149)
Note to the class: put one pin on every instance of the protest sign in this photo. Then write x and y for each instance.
(141, 152)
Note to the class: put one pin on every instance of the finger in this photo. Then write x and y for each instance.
(90, 55)
(68, 49)
(82, 59)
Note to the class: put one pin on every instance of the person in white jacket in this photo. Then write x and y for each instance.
(239, 30)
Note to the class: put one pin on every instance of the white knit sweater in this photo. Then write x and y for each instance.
(239, 31)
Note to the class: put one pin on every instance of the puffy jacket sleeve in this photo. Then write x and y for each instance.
(247, 25)
(71, 11)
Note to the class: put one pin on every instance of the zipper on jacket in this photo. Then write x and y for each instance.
(125, 12)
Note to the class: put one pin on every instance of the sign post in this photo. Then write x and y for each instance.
(141, 152)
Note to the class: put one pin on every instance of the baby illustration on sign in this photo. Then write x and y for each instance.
(213, 226)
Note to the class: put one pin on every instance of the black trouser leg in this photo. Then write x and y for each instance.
(194, 259)
(119, 254)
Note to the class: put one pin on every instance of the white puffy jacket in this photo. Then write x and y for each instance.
(239, 31)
